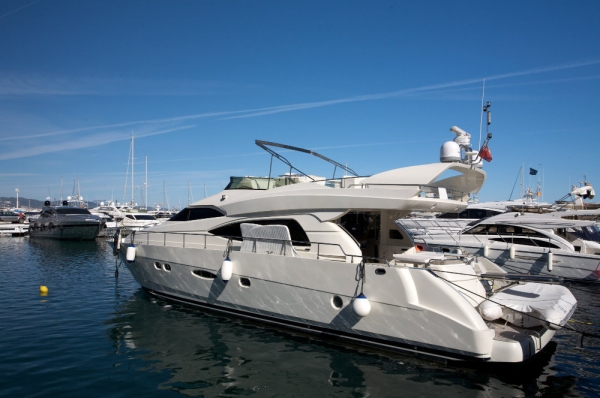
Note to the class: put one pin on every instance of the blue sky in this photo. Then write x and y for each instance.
(376, 85)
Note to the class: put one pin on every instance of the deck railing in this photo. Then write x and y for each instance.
(204, 241)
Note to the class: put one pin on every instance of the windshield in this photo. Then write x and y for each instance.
(72, 210)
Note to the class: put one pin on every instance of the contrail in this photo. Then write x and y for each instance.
(86, 142)
(246, 113)
(124, 124)
(415, 90)
(18, 9)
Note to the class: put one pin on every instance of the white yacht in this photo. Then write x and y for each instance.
(536, 244)
(451, 223)
(325, 256)
(137, 221)
(109, 209)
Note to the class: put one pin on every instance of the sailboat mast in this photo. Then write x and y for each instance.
(522, 172)
(132, 161)
(146, 184)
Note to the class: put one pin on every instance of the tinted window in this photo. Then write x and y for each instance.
(504, 230)
(196, 213)
(146, 217)
(72, 210)
(395, 234)
(528, 242)
(297, 234)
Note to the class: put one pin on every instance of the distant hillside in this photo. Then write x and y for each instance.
(36, 204)
(25, 202)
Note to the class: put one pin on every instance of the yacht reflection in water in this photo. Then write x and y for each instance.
(204, 354)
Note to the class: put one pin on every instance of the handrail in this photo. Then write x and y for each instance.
(237, 238)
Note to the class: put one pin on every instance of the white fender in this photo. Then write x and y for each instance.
(226, 269)
(490, 311)
(550, 261)
(512, 252)
(130, 256)
(361, 305)
(486, 250)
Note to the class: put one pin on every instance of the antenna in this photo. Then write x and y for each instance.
(481, 116)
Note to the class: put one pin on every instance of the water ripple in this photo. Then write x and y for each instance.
(95, 335)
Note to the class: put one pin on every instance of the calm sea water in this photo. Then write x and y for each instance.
(97, 335)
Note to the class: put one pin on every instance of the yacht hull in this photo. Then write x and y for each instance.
(412, 310)
(67, 231)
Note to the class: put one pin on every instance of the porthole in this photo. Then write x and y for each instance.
(157, 265)
(204, 274)
(337, 302)
(167, 267)
(379, 271)
(245, 282)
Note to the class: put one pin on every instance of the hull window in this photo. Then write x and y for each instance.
(204, 274)
(337, 302)
(245, 282)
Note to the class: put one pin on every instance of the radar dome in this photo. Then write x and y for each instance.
(450, 152)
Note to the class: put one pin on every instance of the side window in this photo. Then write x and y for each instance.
(297, 234)
(528, 242)
(395, 234)
(196, 213)
(228, 231)
(507, 229)
(480, 230)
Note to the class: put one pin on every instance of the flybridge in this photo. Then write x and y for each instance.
(429, 180)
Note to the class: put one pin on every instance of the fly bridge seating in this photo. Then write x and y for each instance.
(267, 239)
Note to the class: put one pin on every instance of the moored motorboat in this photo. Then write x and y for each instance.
(528, 243)
(137, 221)
(65, 222)
(325, 256)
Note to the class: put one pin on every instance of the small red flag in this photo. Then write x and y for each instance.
(485, 153)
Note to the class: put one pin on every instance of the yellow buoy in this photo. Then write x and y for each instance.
(43, 290)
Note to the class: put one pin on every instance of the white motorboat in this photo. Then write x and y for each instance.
(109, 209)
(137, 221)
(325, 256)
(536, 244)
(453, 223)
